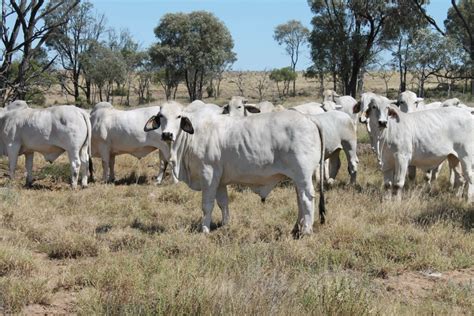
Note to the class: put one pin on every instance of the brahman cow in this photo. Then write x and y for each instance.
(116, 132)
(343, 103)
(210, 151)
(49, 131)
(423, 139)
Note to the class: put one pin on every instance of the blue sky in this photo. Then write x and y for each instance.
(251, 23)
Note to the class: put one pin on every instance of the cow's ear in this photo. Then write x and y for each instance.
(186, 125)
(152, 124)
(393, 114)
(356, 108)
(252, 109)
(226, 109)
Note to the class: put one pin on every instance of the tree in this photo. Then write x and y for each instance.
(23, 33)
(169, 72)
(384, 72)
(293, 35)
(429, 56)
(351, 31)
(124, 44)
(285, 75)
(197, 42)
(239, 81)
(72, 39)
(104, 67)
(261, 85)
(460, 27)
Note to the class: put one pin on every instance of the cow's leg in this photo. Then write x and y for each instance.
(350, 149)
(223, 202)
(305, 190)
(105, 157)
(387, 183)
(458, 180)
(29, 168)
(299, 221)
(411, 173)
(468, 173)
(12, 151)
(75, 162)
(112, 168)
(163, 165)
(401, 166)
(210, 183)
(334, 163)
(84, 167)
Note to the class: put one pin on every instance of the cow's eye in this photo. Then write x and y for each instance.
(179, 116)
(239, 107)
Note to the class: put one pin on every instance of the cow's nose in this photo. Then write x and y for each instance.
(382, 123)
(166, 136)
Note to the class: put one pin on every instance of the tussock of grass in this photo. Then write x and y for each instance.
(71, 245)
(17, 261)
(16, 292)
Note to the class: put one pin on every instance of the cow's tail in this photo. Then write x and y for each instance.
(322, 202)
(86, 149)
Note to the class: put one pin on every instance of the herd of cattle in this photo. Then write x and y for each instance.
(209, 147)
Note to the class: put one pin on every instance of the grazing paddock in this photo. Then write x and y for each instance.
(134, 248)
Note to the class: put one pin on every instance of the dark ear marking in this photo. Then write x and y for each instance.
(356, 108)
(392, 113)
(252, 109)
(186, 125)
(152, 123)
(226, 109)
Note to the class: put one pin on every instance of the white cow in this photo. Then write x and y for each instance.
(210, 151)
(49, 131)
(339, 133)
(238, 106)
(343, 103)
(409, 102)
(423, 139)
(310, 108)
(116, 132)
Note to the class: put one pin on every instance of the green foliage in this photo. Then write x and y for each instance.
(285, 75)
(192, 45)
(347, 33)
(104, 67)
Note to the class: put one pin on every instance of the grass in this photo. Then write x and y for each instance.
(136, 249)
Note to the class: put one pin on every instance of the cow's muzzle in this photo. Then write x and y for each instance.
(382, 124)
(166, 136)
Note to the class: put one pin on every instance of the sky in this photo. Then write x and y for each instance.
(251, 24)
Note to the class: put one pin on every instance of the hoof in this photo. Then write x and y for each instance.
(205, 230)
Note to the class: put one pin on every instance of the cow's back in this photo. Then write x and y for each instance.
(122, 131)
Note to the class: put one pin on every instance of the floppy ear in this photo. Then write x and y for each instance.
(152, 124)
(226, 109)
(393, 114)
(252, 109)
(186, 125)
(356, 108)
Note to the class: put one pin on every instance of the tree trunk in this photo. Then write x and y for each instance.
(321, 83)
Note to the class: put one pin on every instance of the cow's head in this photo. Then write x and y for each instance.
(330, 95)
(171, 120)
(408, 101)
(238, 107)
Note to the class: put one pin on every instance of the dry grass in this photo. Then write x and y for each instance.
(135, 248)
